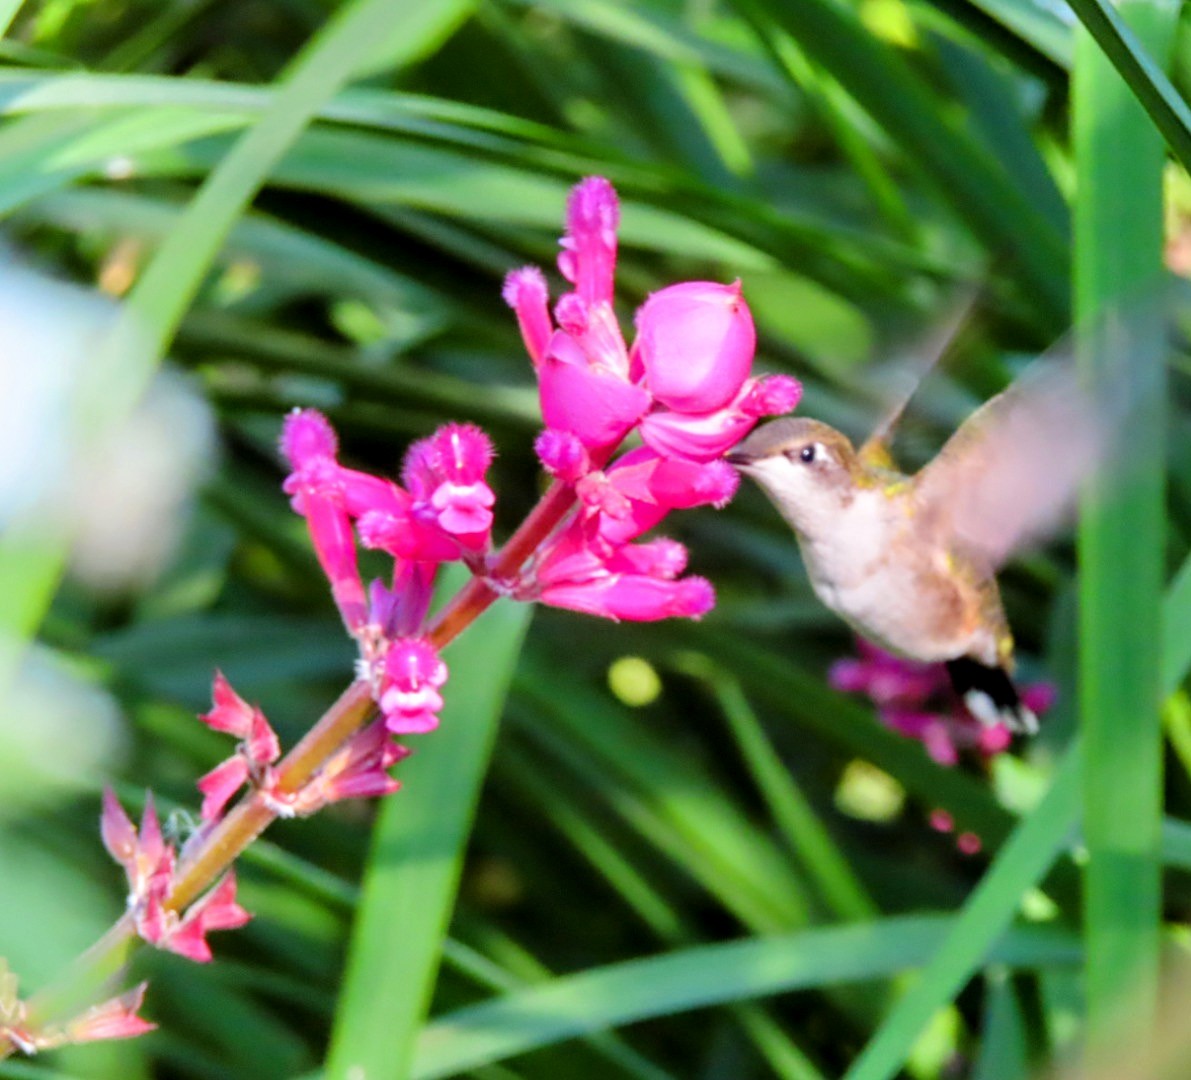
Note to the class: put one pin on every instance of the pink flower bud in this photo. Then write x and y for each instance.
(230, 713)
(525, 292)
(661, 558)
(306, 436)
(636, 598)
(562, 455)
(695, 342)
(772, 395)
(588, 258)
(445, 476)
(695, 437)
(409, 698)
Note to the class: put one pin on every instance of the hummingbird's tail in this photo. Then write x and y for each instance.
(990, 696)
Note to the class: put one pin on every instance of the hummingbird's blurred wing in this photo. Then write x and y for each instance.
(925, 356)
(1010, 474)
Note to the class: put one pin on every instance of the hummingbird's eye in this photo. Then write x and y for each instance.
(807, 454)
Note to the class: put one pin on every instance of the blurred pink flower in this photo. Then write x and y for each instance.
(918, 701)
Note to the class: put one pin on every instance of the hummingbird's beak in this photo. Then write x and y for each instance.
(739, 458)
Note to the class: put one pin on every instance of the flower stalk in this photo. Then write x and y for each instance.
(684, 386)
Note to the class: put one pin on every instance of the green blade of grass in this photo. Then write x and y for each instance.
(1020, 864)
(967, 174)
(699, 976)
(1118, 255)
(1133, 61)
(409, 889)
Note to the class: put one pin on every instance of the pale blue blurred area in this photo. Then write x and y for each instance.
(47, 328)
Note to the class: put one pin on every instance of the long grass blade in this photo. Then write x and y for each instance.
(700, 976)
(1118, 255)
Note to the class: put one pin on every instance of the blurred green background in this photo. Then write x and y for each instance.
(688, 856)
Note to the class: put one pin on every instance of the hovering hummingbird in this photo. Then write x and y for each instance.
(910, 561)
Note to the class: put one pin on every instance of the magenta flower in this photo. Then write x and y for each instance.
(695, 342)
(413, 674)
(445, 476)
(688, 369)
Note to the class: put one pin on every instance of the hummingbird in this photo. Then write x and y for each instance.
(910, 561)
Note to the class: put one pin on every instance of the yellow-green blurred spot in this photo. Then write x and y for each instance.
(358, 322)
(890, 21)
(868, 793)
(1036, 906)
(936, 1046)
(240, 279)
(634, 681)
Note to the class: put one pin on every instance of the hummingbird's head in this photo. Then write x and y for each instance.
(807, 469)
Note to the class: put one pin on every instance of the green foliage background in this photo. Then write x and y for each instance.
(701, 862)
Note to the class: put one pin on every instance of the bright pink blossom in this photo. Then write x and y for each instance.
(704, 436)
(525, 292)
(695, 342)
(685, 380)
(445, 476)
(413, 674)
(636, 597)
(562, 455)
(308, 443)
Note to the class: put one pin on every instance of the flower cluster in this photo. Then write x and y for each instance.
(917, 700)
(684, 385)
(149, 864)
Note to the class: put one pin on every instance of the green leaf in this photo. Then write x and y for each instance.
(701, 976)
(1122, 537)
(417, 854)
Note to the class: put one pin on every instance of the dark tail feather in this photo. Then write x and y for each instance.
(990, 695)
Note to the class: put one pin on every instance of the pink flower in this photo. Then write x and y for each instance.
(258, 749)
(308, 442)
(704, 436)
(358, 770)
(918, 701)
(562, 455)
(216, 910)
(113, 1019)
(141, 853)
(582, 571)
(413, 674)
(636, 597)
(695, 342)
(445, 476)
